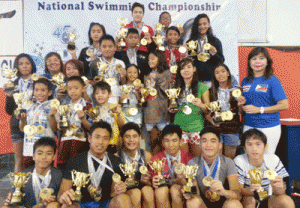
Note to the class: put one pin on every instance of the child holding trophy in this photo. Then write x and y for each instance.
(105, 188)
(24, 84)
(41, 188)
(162, 168)
(130, 152)
(192, 105)
(216, 180)
(156, 113)
(36, 122)
(260, 174)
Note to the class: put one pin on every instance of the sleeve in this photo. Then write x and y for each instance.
(280, 170)
(277, 90)
(202, 88)
(10, 105)
(164, 80)
(239, 167)
(244, 81)
(151, 31)
(82, 55)
(219, 57)
(232, 170)
(67, 173)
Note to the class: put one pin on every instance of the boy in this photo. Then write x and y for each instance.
(115, 75)
(102, 165)
(44, 175)
(171, 141)
(37, 119)
(73, 140)
(255, 145)
(220, 169)
(132, 55)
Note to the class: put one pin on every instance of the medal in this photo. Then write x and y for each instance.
(119, 67)
(144, 42)
(161, 48)
(46, 192)
(89, 52)
(116, 178)
(187, 110)
(137, 82)
(236, 93)
(226, 116)
(153, 92)
(179, 169)
(40, 129)
(54, 103)
(190, 98)
(182, 49)
(202, 57)
(212, 196)
(207, 180)
(78, 107)
(173, 69)
(143, 169)
(207, 46)
(132, 111)
(34, 77)
(145, 29)
(95, 192)
(270, 174)
(30, 130)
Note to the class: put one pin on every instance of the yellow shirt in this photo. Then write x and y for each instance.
(115, 129)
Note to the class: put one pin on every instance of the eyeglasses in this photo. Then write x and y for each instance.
(166, 19)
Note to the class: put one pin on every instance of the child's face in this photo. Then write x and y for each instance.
(53, 64)
(165, 20)
(171, 143)
(107, 48)
(102, 96)
(71, 70)
(210, 145)
(132, 74)
(24, 66)
(96, 33)
(43, 156)
(221, 74)
(173, 37)
(255, 148)
(75, 90)
(153, 61)
(131, 140)
(41, 92)
(132, 40)
(188, 71)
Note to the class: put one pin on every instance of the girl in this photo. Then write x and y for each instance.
(263, 97)
(192, 103)
(24, 84)
(156, 113)
(221, 90)
(202, 32)
(132, 110)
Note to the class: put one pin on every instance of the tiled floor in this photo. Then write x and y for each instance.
(6, 166)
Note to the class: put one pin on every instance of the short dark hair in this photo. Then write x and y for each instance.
(102, 86)
(107, 37)
(90, 31)
(132, 31)
(50, 55)
(44, 81)
(130, 126)
(162, 14)
(173, 28)
(210, 129)
(136, 4)
(101, 125)
(255, 134)
(45, 141)
(76, 78)
(16, 63)
(172, 129)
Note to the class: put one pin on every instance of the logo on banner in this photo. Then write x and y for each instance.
(246, 88)
(8, 14)
(261, 88)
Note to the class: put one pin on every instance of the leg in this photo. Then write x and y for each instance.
(195, 202)
(120, 201)
(282, 201)
(176, 195)
(148, 197)
(18, 148)
(249, 202)
(53, 205)
(135, 196)
(154, 137)
(233, 203)
(229, 151)
(273, 134)
(70, 206)
(162, 197)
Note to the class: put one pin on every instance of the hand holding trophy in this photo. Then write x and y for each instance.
(79, 179)
(19, 99)
(129, 170)
(18, 180)
(173, 94)
(72, 38)
(102, 68)
(192, 46)
(190, 172)
(157, 166)
(256, 177)
(9, 74)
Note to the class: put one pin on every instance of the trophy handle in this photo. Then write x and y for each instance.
(11, 175)
(122, 169)
(27, 176)
(150, 165)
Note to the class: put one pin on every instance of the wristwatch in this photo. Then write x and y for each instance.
(262, 110)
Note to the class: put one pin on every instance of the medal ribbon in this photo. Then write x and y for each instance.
(138, 28)
(172, 162)
(201, 42)
(72, 115)
(132, 56)
(215, 166)
(37, 185)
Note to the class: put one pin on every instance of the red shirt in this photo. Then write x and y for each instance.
(168, 55)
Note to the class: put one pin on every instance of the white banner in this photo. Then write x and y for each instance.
(47, 23)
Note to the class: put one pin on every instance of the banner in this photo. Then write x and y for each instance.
(47, 23)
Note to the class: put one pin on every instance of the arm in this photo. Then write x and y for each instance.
(53, 123)
(235, 189)
(66, 193)
(278, 186)
(83, 120)
(205, 101)
(280, 106)
(10, 105)
(23, 121)
(164, 80)
(217, 57)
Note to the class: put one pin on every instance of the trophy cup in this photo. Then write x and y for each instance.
(122, 33)
(159, 27)
(144, 93)
(256, 177)
(173, 95)
(190, 172)
(129, 169)
(93, 112)
(19, 99)
(126, 89)
(102, 68)
(79, 180)
(159, 41)
(157, 166)
(63, 112)
(9, 74)
(214, 107)
(18, 180)
(59, 80)
(122, 22)
(192, 46)
(72, 38)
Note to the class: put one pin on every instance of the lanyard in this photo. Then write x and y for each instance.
(216, 167)
(172, 162)
(37, 185)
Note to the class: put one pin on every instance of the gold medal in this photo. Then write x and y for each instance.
(54, 103)
(132, 111)
(153, 92)
(173, 69)
(143, 169)
(187, 110)
(34, 77)
(144, 42)
(207, 46)
(207, 180)
(182, 49)
(84, 78)
(179, 25)
(46, 192)
(28, 130)
(212, 196)
(137, 82)
(270, 174)
(119, 67)
(236, 93)
(190, 98)
(161, 48)
(179, 169)
(89, 52)
(95, 192)
(111, 81)
(202, 57)
(116, 178)
(145, 29)
(78, 107)
(40, 129)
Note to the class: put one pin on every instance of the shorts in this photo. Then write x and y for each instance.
(230, 139)
(92, 204)
(160, 126)
(191, 137)
(17, 137)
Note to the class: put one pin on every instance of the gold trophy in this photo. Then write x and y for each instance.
(59, 80)
(126, 89)
(121, 34)
(95, 192)
(122, 22)
(102, 68)
(173, 94)
(159, 41)
(93, 112)
(214, 107)
(18, 180)
(9, 74)
(144, 93)
(192, 46)
(63, 111)
(190, 172)
(157, 166)
(44, 194)
(79, 180)
(19, 99)
(159, 27)
(72, 38)
(256, 177)
(129, 169)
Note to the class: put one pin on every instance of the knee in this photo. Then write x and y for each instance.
(135, 195)
(123, 200)
(148, 193)
(282, 201)
(194, 202)
(162, 194)
(248, 200)
(53, 205)
(233, 203)
(175, 192)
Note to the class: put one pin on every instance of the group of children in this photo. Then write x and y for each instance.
(111, 96)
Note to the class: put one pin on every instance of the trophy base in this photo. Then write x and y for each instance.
(260, 196)
(16, 201)
(63, 124)
(173, 106)
(71, 46)
(77, 199)
(218, 119)
(131, 183)
(190, 190)
(162, 183)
